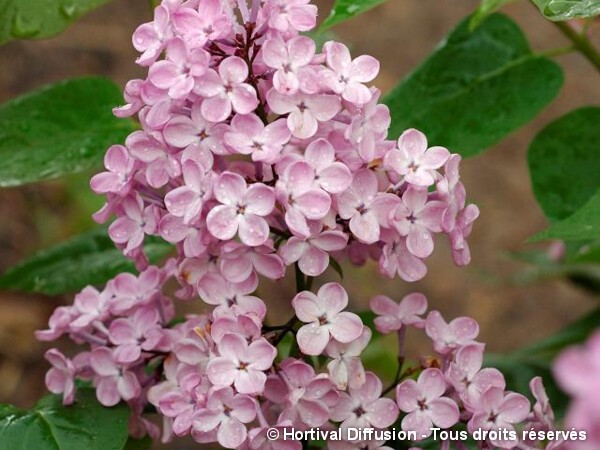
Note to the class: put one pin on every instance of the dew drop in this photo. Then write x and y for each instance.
(25, 27)
(69, 10)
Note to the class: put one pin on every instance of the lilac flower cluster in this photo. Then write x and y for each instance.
(258, 152)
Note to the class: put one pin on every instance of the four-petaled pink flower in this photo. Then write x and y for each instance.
(289, 58)
(241, 364)
(393, 316)
(141, 332)
(178, 72)
(226, 90)
(113, 381)
(365, 206)
(345, 76)
(498, 410)
(287, 15)
(242, 208)
(449, 336)
(129, 230)
(330, 175)
(226, 413)
(346, 368)
(312, 253)
(424, 402)
(203, 23)
(469, 379)
(149, 38)
(187, 201)
(305, 110)
(363, 407)
(120, 172)
(417, 218)
(325, 317)
(414, 160)
(302, 197)
(249, 136)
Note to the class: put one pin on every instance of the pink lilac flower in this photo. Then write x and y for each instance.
(248, 135)
(201, 139)
(499, 410)
(425, 404)
(363, 407)
(142, 332)
(60, 379)
(121, 168)
(330, 175)
(289, 58)
(238, 262)
(178, 71)
(226, 90)
(345, 76)
(204, 23)
(417, 218)
(149, 38)
(242, 208)
(469, 379)
(90, 306)
(323, 313)
(305, 110)
(129, 230)
(113, 381)
(393, 316)
(160, 164)
(187, 201)
(307, 397)
(241, 364)
(312, 253)
(369, 127)
(304, 200)
(287, 15)
(365, 206)
(230, 297)
(184, 403)
(396, 259)
(447, 337)
(346, 368)
(576, 369)
(414, 160)
(228, 414)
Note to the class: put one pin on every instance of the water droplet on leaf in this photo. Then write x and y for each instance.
(25, 27)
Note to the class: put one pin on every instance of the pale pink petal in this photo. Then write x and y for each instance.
(260, 200)
(312, 339)
(222, 222)
(346, 327)
(313, 262)
(253, 230)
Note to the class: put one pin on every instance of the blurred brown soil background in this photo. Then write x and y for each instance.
(400, 33)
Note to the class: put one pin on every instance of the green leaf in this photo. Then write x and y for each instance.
(33, 19)
(51, 426)
(584, 224)
(60, 129)
(564, 164)
(475, 88)
(568, 9)
(89, 258)
(486, 9)
(346, 9)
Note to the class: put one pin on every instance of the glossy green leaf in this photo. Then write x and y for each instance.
(486, 9)
(60, 129)
(89, 258)
(346, 9)
(32, 19)
(558, 10)
(564, 161)
(51, 426)
(475, 88)
(584, 224)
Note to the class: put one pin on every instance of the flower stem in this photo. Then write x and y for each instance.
(581, 43)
